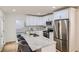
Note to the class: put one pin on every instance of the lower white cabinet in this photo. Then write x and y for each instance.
(50, 48)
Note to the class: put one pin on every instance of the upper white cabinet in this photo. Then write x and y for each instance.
(62, 14)
(49, 17)
(56, 15)
(33, 20)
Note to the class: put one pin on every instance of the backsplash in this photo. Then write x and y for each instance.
(35, 28)
(30, 29)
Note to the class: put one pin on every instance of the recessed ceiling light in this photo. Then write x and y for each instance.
(13, 10)
(53, 7)
(38, 13)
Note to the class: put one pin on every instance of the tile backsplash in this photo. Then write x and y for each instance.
(35, 28)
(30, 29)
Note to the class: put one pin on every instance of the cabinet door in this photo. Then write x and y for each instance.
(64, 14)
(56, 15)
(28, 20)
(37, 21)
(50, 17)
(33, 21)
(44, 19)
(50, 48)
(40, 21)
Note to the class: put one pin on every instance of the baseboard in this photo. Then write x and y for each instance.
(76, 50)
(0, 49)
(9, 42)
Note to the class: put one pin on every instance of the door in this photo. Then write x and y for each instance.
(1, 32)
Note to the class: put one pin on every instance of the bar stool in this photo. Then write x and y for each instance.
(23, 46)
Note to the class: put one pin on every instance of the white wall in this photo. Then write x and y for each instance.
(72, 30)
(1, 13)
(20, 23)
(77, 30)
(10, 27)
(1, 28)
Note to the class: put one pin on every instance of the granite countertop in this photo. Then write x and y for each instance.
(37, 42)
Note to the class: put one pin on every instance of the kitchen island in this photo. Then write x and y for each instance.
(40, 42)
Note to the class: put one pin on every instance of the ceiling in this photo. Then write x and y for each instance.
(34, 10)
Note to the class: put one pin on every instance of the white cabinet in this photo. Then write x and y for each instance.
(41, 21)
(30, 21)
(62, 14)
(33, 20)
(48, 18)
(56, 15)
(65, 14)
(50, 48)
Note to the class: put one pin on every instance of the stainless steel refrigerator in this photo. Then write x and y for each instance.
(61, 34)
